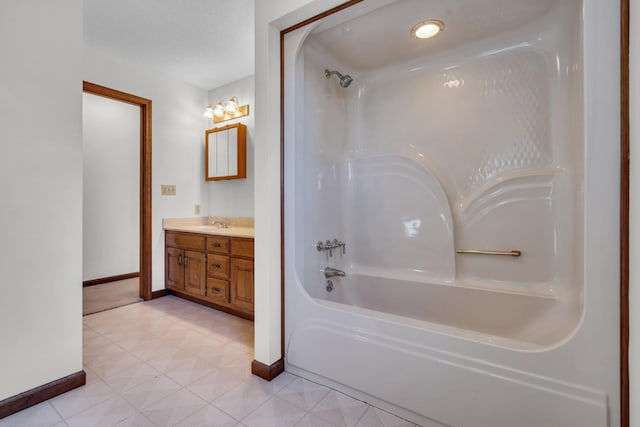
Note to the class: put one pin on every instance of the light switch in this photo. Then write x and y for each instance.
(197, 209)
(168, 190)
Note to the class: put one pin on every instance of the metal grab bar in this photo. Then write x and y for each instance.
(481, 252)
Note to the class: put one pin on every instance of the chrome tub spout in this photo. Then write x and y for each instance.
(333, 272)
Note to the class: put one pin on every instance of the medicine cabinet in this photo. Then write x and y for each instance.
(226, 152)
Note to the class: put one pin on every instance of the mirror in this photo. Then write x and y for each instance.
(226, 152)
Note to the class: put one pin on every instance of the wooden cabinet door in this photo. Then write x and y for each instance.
(174, 270)
(242, 284)
(195, 272)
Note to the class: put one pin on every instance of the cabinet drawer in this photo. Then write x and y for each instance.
(217, 290)
(242, 247)
(218, 245)
(184, 240)
(218, 265)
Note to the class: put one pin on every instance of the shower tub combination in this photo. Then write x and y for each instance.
(452, 169)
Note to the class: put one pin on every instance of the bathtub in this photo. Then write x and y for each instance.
(512, 320)
(483, 141)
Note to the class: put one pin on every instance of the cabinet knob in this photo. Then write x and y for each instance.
(217, 265)
(216, 290)
(217, 245)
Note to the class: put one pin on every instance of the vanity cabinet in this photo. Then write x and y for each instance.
(185, 263)
(215, 270)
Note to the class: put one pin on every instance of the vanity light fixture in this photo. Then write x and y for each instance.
(226, 110)
(427, 29)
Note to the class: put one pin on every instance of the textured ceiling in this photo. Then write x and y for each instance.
(204, 42)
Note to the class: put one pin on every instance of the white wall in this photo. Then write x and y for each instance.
(177, 138)
(634, 246)
(111, 187)
(41, 208)
(234, 198)
(271, 17)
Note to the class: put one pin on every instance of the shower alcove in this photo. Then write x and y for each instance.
(454, 170)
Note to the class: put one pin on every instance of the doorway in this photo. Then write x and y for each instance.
(144, 207)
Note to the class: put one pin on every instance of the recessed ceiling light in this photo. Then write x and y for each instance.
(427, 29)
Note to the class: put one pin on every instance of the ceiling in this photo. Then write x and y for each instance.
(207, 43)
(367, 41)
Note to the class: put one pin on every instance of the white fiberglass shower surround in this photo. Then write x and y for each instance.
(451, 173)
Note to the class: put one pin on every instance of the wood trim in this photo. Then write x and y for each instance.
(21, 401)
(210, 304)
(107, 92)
(282, 124)
(267, 372)
(160, 293)
(624, 213)
(282, 235)
(102, 280)
(145, 176)
(319, 17)
(145, 199)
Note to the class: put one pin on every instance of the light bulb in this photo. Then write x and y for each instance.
(208, 113)
(218, 110)
(231, 105)
(427, 29)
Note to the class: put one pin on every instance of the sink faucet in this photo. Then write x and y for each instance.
(220, 224)
(333, 272)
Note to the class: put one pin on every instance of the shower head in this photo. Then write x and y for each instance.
(345, 80)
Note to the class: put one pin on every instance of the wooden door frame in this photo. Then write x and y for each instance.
(624, 192)
(624, 213)
(145, 176)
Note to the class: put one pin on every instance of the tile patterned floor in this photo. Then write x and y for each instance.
(110, 295)
(170, 362)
